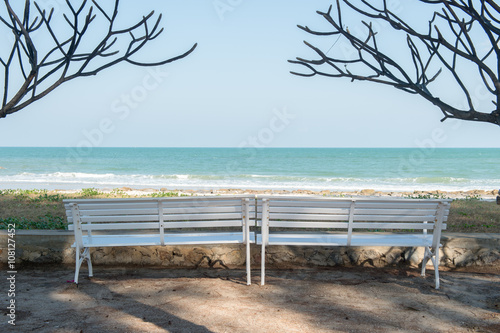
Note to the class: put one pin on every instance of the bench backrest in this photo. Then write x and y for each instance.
(347, 215)
(160, 215)
(112, 214)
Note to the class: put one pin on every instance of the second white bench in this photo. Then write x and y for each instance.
(313, 221)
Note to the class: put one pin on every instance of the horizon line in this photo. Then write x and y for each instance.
(232, 147)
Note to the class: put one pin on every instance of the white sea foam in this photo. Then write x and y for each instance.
(77, 180)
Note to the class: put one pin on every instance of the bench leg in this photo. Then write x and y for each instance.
(435, 261)
(434, 257)
(427, 256)
(263, 264)
(249, 278)
(80, 257)
(89, 263)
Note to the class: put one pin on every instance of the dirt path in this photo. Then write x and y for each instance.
(217, 300)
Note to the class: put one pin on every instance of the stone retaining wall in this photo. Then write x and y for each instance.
(54, 247)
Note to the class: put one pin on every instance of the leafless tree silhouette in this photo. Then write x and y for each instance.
(458, 47)
(43, 54)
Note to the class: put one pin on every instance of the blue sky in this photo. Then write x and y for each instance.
(235, 90)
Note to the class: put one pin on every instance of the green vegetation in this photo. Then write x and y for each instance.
(166, 194)
(470, 214)
(474, 215)
(90, 192)
(41, 209)
(427, 196)
(48, 221)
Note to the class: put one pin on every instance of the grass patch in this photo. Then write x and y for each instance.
(473, 215)
(470, 214)
(48, 221)
(41, 209)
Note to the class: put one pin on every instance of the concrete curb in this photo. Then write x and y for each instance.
(54, 247)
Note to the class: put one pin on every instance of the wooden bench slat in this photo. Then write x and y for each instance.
(114, 205)
(201, 203)
(111, 202)
(356, 225)
(206, 238)
(154, 205)
(309, 204)
(197, 217)
(120, 226)
(341, 240)
(406, 240)
(224, 214)
(121, 218)
(149, 225)
(203, 224)
(359, 205)
(309, 210)
(306, 239)
(394, 226)
(279, 200)
(358, 211)
(397, 205)
(296, 224)
(289, 198)
(203, 210)
(121, 240)
(308, 217)
(394, 211)
(170, 239)
(393, 218)
(148, 218)
(119, 212)
(364, 218)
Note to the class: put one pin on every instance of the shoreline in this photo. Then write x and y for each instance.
(436, 194)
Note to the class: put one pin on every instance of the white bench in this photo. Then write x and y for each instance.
(159, 222)
(342, 222)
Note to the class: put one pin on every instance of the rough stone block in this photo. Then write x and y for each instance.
(464, 259)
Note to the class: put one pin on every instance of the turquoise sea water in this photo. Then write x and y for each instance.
(341, 169)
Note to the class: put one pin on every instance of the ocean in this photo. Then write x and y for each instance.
(334, 169)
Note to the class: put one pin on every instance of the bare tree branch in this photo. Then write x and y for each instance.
(461, 34)
(31, 78)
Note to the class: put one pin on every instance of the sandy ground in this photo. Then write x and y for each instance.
(360, 299)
